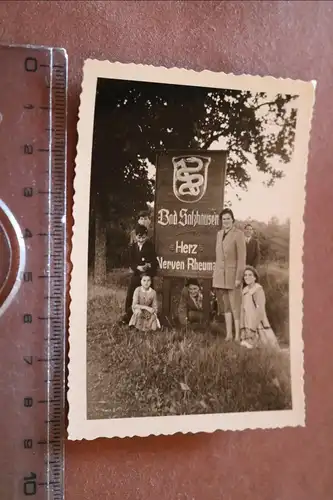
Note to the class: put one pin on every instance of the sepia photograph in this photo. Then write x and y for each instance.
(187, 280)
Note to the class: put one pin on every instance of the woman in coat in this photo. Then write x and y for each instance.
(255, 328)
(228, 272)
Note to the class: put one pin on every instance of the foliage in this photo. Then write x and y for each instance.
(275, 281)
(133, 120)
(172, 372)
(273, 239)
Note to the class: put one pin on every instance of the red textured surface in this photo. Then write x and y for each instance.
(5, 256)
(289, 39)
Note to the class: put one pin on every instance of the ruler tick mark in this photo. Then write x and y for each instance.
(50, 119)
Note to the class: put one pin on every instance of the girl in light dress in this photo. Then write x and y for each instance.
(144, 307)
(254, 325)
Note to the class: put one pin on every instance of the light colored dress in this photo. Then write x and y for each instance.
(254, 325)
(141, 319)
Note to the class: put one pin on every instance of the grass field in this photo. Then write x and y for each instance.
(173, 372)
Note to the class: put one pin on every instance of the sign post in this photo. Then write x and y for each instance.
(189, 198)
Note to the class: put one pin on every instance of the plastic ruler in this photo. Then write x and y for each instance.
(33, 113)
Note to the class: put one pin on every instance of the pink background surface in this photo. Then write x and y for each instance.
(287, 39)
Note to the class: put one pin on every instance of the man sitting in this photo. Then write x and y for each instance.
(190, 308)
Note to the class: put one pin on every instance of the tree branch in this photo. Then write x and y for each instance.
(263, 104)
(212, 138)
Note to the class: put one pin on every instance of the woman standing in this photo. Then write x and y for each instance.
(228, 272)
(255, 327)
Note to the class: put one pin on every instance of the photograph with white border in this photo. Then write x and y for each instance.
(186, 309)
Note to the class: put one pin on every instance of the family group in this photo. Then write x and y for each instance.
(237, 291)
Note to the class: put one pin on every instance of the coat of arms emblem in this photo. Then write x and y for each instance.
(190, 175)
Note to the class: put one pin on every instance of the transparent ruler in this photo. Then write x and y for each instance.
(33, 114)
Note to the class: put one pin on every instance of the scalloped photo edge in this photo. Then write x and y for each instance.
(80, 427)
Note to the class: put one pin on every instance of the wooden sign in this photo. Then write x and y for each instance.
(188, 200)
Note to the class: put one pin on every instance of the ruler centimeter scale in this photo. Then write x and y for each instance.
(33, 115)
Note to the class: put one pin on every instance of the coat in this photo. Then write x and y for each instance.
(254, 325)
(253, 311)
(252, 253)
(146, 255)
(230, 258)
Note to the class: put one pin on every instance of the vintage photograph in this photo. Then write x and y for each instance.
(187, 280)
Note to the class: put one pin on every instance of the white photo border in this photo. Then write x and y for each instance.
(79, 426)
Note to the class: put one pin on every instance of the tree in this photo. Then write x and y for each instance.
(135, 119)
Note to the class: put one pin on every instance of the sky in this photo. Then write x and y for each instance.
(259, 202)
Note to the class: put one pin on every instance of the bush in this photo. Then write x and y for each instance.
(275, 280)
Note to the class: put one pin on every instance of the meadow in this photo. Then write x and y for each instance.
(175, 372)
